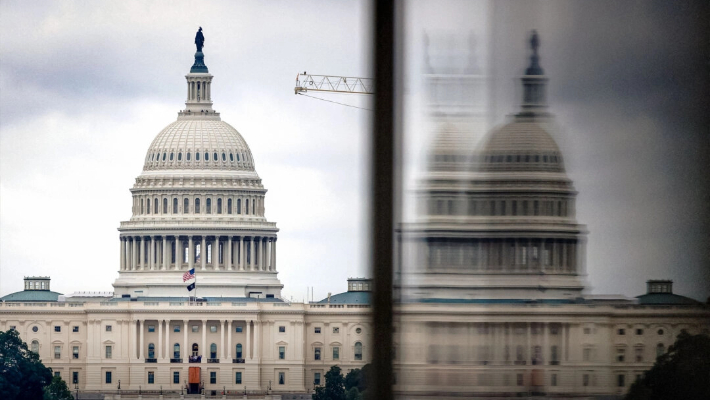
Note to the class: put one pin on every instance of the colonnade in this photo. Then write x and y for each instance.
(165, 348)
(199, 89)
(226, 253)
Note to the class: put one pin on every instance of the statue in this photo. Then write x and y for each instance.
(199, 40)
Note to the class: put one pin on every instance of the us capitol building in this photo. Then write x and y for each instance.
(493, 300)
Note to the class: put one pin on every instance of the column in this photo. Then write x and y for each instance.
(134, 255)
(204, 340)
(132, 343)
(546, 344)
(184, 354)
(528, 351)
(563, 347)
(215, 253)
(273, 255)
(251, 254)
(122, 265)
(511, 350)
(167, 355)
(229, 339)
(257, 338)
(203, 253)
(142, 253)
(221, 344)
(190, 253)
(247, 351)
(141, 326)
(153, 253)
(241, 253)
(264, 257)
(160, 339)
(166, 258)
(228, 261)
(179, 253)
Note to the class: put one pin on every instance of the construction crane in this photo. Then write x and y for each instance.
(335, 84)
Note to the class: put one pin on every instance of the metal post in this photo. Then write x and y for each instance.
(384, 187)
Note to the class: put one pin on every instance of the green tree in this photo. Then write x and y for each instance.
(57, 390)
(352, 379)
(681, 373)
(334, 388)
(353, 394)
(22, 374)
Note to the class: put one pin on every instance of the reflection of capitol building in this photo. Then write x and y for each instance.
(494, 300)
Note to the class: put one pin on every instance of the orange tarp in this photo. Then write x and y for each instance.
(194, 375)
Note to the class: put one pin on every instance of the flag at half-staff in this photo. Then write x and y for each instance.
(188, 275)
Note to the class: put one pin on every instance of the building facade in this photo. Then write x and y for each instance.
(493, 293)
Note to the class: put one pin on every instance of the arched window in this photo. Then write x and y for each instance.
(214, 156)
(188, 156)
(553, 355)
(253, 207)
(239, 206)
(186, 206)
(224, 157)
(175, 205)
(231, 157)
(219, 206)
(171, 156)
(195, 350)
(165, 206)
(229, 206)
(197, 206)
(207, 156)
(213, 350)
(176, 350)
(142, 207)
(239, 350)
(209, 206)
(238, 157)
(147, 206)
(660, 349)
(180, 156)
(246, 210)
(151, 350)
(197, 156)
(358, 351)
(34, 346)
(155, 209)
(519, 354)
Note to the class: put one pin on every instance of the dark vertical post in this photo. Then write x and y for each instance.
(383, 195)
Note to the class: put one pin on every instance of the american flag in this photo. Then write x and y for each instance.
(188, 275)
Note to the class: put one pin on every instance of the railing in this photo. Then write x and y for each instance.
(177, 303)
(195, 359)
(176, 360)
(213, 361)
(282, 304)
(151, 360)
(238, 361)
(554, 363)
(108, 303)
(239, 304)
(151, 303)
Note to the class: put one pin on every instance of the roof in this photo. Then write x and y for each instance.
(349, 298)
(32, 295)
(521, 146)
(501, 301)
(207, 299)
(666, 298)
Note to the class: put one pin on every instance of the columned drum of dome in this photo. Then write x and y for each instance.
(505, 230)
(199, 203)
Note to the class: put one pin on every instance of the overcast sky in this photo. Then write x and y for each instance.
(86, 86)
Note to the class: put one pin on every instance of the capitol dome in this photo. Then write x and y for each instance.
(206, 144)
(199, 211)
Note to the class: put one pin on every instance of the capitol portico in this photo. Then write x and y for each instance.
(495, 302)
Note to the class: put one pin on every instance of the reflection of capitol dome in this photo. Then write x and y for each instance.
(198, 203)
(199, 144)
(521, 146)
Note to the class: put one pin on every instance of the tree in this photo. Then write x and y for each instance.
(681, 373)
(57, 390)
(352, 379)
(22, 374)
(334, 388)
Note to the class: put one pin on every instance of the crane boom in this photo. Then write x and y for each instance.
(338, 84)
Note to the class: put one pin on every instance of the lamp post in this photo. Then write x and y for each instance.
(268, 387)
(76, 387)
(119, 387)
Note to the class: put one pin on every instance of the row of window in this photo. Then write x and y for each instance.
(638, 352)
(336, 352)
(250, 207)
(336, 330)
(176, 377)
(523, 158)
(456, 354)
(639, 332)
(165, 156)
(74, 329)
(493, 253)
(545, 208)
